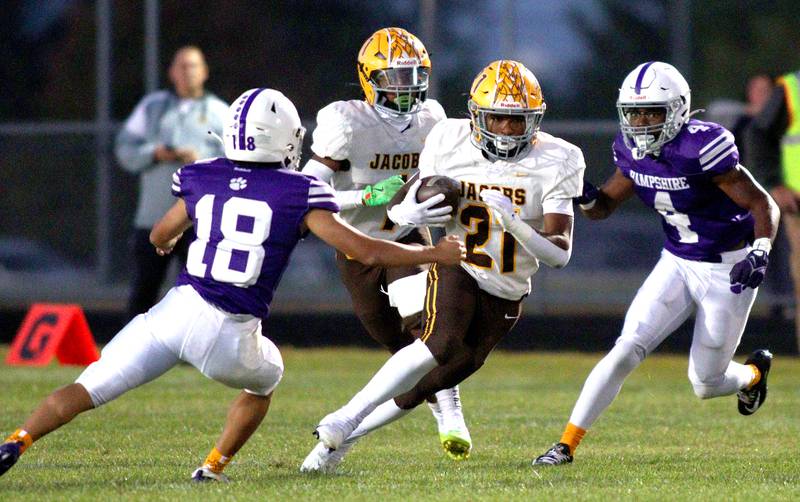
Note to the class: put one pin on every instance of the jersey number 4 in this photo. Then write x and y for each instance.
(236, 259)
(663, 204)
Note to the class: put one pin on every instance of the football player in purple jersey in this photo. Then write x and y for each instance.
(249, 209)
(719, 225)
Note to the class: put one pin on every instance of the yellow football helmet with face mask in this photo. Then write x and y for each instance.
(505, 87)
(393, 69)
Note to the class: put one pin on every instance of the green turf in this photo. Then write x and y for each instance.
(657, 441)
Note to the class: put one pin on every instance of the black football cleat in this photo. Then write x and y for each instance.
(750, 400)
(9, 454)
(557, 455)
(206, 475)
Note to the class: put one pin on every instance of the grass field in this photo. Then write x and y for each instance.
(657, 441)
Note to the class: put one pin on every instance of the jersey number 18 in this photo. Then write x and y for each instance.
(237, 257)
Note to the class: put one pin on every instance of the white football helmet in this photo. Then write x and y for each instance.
(653, 85)
(263, 126)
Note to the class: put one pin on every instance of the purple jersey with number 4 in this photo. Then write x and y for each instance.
(699, 219)
(247, 218)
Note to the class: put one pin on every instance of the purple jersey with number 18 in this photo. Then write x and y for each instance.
(699, 219)
(247, 218)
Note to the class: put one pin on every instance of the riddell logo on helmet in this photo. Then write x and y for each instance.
(406, 62)
(509, 104)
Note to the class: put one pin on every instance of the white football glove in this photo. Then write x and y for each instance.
(411, 212)
(501, 207)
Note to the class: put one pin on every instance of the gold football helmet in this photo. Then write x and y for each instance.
(505, 87)
(393, 68)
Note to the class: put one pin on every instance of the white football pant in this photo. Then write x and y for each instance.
(225, 347)
(671, 293)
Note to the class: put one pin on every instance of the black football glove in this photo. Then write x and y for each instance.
(749, 272)
(589, 195)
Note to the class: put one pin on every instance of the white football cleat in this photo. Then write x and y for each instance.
(324, 460)
(436, 410)
(334, 429)
(453, 432)
(204, 474)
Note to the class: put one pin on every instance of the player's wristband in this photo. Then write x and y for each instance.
(762, 243)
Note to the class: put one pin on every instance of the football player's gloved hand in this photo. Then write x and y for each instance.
(749, 272)
(501, 206)
(589, 195)
(381, 192)
(411, 212)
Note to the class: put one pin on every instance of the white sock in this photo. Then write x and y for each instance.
(384, 414)
(604, 383)
(741, 374)
(398, 375)
(450, 405)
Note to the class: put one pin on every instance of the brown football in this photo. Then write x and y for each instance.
(434, 185)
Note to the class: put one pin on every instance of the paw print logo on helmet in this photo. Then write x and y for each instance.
(393, 70)
(507, 88)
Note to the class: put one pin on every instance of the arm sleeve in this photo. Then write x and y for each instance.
(133, 146)
(347, 199)
(538, 246)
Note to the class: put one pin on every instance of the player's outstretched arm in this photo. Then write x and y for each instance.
(337, 233)
(599, 203)
(378, 194)
(170, 227)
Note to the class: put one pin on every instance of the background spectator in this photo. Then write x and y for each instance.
(166, 130)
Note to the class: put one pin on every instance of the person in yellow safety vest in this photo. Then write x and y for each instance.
(773, 141)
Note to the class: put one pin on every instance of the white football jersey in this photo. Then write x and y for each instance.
(353, 131)
(544, 181)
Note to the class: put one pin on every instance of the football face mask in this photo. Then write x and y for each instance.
(505, 88)
(401, 90)
(653, 85)
(393, 70)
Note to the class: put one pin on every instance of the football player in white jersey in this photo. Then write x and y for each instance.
(515, 211)
(365, 149)
(719, 224)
